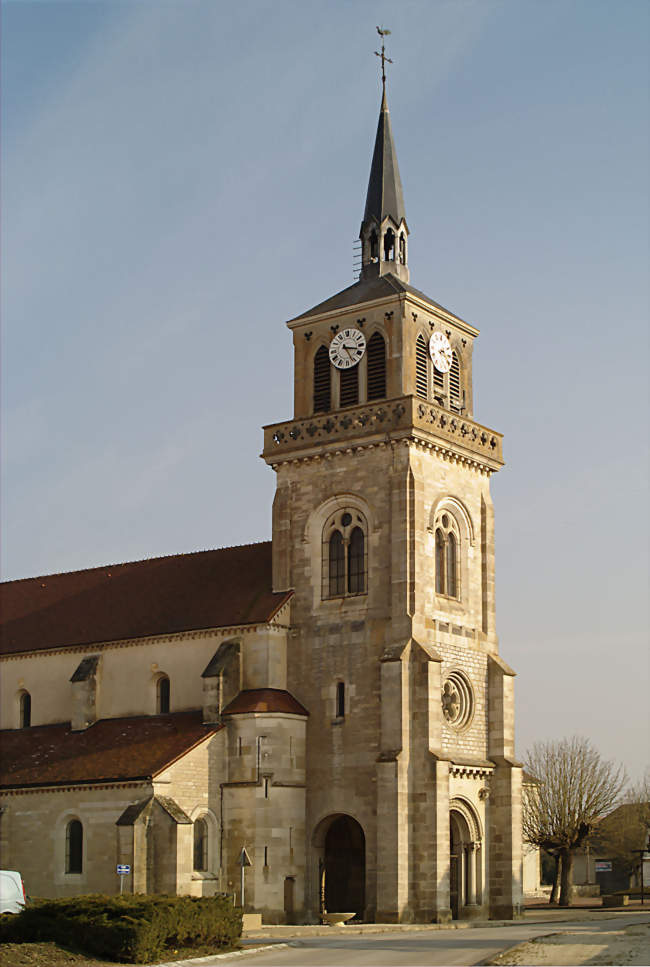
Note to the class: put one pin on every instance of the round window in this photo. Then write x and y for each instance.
(457, 700)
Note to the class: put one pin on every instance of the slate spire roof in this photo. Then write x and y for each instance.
(385, 196)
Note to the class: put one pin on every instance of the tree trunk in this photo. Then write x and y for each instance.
(556, 879)
(566, 887)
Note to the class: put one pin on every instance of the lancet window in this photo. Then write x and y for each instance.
(447, 544)
(74, 847)
(376, 356)
(322, 381)
(422, 367)
(345, 555)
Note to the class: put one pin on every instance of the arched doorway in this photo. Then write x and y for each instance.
(341, 848)
(464, 863)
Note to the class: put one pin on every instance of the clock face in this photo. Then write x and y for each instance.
(440, 352)
(347, 348)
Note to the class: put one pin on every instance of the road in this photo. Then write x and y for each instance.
(415, 948)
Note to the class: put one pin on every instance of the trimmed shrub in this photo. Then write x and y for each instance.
(127, 928)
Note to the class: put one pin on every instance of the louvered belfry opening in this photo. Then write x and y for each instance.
(421, 368)
(322, 383)
(455, 400)
(349, 387)
(376, 356)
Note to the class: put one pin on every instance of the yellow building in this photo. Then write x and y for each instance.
(334, 700)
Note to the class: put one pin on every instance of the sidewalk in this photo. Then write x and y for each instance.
(541, 912)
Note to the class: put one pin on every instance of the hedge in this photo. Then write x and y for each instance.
(136, 929)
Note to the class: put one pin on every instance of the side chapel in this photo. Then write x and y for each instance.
(333, 700)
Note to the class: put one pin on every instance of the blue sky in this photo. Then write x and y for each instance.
(179, 178)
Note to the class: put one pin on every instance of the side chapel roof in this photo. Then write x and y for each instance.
(163, 595)
(111, 750)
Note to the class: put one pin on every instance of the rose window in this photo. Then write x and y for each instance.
(457, 700)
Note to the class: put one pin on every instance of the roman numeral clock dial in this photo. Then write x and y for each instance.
(347, 348)
(440, 352)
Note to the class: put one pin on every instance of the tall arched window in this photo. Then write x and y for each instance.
(345, 556)
(356, 562)
(447, 540)
(74, 835)
(451, 564)
(322, 384)
(349, 386)
(422, 368)
(455, 394)
(336, 565)
(25, 710)
(162, 695)
(376, 356)
(440, 562)
(201, 844)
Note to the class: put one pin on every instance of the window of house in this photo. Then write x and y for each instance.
(447, 543)
(322, 381)
(340, 700)
(201, 845)
(422, 368)
(162, 695)
(25, 710)
(345, 556)
(74, 847)
(376, 362)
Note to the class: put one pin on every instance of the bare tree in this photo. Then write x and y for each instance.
(574, 789)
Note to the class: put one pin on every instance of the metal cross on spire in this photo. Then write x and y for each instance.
(383, 33)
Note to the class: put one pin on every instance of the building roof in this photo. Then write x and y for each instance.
(111, 750)
(367, 290)
(385, 196)
(186, 592)
(265, 700)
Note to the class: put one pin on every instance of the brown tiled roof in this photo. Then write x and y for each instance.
(110, 750)
(265, 700)
(186, 592)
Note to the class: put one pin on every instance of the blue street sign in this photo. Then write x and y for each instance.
(123, 869)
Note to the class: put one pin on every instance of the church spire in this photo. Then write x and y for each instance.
(384, 231)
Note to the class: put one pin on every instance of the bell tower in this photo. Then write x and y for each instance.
(383, 526)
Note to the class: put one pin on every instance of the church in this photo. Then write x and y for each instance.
(333, 701)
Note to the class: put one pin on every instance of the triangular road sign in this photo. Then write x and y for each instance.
(244, 858)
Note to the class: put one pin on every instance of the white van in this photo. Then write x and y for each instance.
(12, 892)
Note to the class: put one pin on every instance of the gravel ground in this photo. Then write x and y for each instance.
(629, 945)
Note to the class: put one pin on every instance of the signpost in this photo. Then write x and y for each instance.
(641, 853)
(123, 869)
(244, 861)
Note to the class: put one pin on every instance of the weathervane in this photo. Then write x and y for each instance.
(383, 33)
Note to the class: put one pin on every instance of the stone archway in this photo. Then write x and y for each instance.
(341, 849)
(464, 863)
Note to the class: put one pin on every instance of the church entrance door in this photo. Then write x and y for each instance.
(343, 865)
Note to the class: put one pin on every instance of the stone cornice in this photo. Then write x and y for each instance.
(92, 785)
(225, 632)
(386, 422)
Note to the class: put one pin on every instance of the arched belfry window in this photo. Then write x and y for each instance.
(345, 554)
(422, 367)
(374, 246)
(349, 386)
(455, 392)
(402, 248)
(322, 381)
(447, 545)
(389, 245)
(74, 835)
(376, 356)
(25, 710)
(163, 695)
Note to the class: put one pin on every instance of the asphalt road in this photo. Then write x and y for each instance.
(425, 948)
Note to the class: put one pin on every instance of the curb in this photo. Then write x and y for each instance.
(230, 954)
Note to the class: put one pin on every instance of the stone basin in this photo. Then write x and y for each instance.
(337, 919)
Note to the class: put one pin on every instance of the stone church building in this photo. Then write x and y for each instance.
(332, 700)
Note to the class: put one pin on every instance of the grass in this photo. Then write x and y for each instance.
(52, 955)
